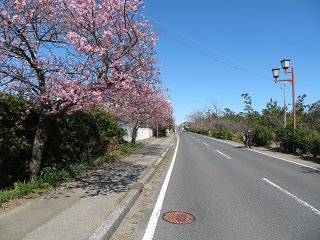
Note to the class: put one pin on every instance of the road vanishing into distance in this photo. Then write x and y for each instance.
(215, 190)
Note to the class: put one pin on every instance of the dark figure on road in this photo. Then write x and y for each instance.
(247, 139)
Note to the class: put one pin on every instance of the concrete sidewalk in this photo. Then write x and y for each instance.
(90, 207)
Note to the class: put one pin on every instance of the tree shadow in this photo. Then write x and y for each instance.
(152, 150)
(113, 177)
(310, 170)
(238, 146)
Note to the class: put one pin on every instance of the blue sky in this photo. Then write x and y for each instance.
(213, 51)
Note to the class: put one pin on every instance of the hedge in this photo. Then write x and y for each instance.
(75, 138)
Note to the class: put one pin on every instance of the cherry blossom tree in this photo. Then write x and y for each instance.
(114, 40)
(122, 59)
(143, 103)
(71, 55)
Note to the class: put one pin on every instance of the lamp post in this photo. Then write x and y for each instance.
(285, 64)
(284, 105)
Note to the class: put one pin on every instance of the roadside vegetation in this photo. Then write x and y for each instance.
(50, 177)
(268, 127)
(69, 75)
(76, 143)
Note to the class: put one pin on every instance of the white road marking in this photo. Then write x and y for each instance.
(269, 155)
(223, 154)
(286, 160)
(206, 144)
(313, 209)
(148, 235)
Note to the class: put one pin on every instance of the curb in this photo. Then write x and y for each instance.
(113, 221)
(110, 225)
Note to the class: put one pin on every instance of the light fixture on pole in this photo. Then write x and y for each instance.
(285, 64)
(275, 72)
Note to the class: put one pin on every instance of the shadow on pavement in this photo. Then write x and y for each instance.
(151, 150)
(112, 177)
(310, 170)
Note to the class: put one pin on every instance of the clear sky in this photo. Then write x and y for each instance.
(215, 50)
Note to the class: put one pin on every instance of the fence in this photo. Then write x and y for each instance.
(142, 133)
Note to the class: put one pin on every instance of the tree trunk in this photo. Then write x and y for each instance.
(134, 132)
(39, 142)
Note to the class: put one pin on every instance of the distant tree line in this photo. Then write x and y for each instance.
(268, 127)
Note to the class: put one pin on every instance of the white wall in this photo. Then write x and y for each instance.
(143, 133)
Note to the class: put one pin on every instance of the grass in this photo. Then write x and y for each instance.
(21, 189)
(50, 177)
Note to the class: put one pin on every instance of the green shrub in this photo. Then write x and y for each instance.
(80, 138)
(52, 175)
(202, 131)
(285, 137)
(20, 189)
(237, 137)
(107, 126)
(315, 146)
(16, 137)
(72, 139)
(302, 138)
(262, 136)
(77, 169)
(223, 133)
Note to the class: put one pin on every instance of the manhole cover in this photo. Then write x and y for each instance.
(177, 217)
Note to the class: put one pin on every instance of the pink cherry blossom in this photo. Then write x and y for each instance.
(73, 55)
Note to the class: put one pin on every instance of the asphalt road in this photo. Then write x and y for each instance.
(236, 193)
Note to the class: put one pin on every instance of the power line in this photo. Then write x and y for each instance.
(205, 53)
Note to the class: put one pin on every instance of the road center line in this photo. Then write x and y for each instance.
(148, 235)
(316, 211)
(223, 154)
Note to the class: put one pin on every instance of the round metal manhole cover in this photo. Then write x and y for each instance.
(177, 217)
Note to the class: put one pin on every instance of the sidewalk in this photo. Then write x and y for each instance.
(90, 207)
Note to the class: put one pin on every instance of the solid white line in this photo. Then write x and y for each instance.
(313, 209)
(148, 235)
(223, 154)
(269, 155)
(286, 160)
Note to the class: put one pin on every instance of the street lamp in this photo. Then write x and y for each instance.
(275, 72)
(285, 64)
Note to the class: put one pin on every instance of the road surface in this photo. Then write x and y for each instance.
(234, 193)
